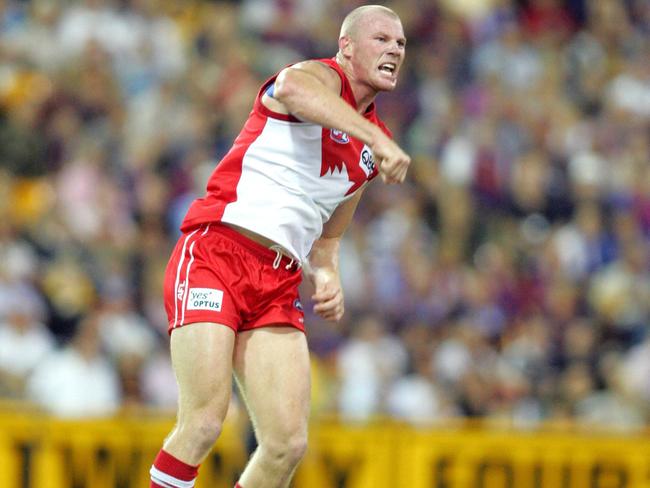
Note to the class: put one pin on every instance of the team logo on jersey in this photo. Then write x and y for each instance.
(205, 299)
(367, 161)
(339, 136)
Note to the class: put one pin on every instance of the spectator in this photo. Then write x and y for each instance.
(368, 363)
(77, 380)
(24, 339)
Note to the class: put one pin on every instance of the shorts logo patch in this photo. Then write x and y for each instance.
(297, 304)
(205, 299)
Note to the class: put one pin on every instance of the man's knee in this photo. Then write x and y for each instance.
(297, 447)
(203, 426)
(287, 449)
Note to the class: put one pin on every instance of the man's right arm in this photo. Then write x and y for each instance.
(310, 91)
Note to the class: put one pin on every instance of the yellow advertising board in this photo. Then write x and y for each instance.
(40, 452)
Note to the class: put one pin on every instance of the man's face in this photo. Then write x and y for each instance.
(377, 49)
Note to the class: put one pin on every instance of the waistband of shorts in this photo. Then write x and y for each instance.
(260, 250)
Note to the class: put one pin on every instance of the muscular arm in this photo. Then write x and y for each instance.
(310, 91)
(323, 264)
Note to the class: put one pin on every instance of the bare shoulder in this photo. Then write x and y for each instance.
(326, 75)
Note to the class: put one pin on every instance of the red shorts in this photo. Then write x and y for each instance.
(216, 274)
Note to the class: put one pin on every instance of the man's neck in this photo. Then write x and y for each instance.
(363, 94)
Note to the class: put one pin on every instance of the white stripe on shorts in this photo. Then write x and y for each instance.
(187, 277)
(178, 275)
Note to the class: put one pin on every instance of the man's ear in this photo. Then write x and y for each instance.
(345, 46)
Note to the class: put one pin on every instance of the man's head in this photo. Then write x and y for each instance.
(372, 45)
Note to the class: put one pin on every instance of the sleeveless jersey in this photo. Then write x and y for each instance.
(283, 178)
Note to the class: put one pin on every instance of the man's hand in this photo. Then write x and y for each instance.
(392, 162)
(328, 294)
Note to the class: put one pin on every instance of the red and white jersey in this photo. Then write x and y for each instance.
(284, 178)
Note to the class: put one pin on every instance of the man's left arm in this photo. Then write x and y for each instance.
(323, 262)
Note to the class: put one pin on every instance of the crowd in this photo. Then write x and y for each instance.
(509, 278)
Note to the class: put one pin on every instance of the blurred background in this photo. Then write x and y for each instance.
(507, 280)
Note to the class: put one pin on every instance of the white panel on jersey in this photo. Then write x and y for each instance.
(280, 194)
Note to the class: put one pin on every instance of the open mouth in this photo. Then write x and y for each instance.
(388, 68)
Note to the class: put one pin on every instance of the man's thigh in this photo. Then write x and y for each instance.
(202, 360)
(273, 372)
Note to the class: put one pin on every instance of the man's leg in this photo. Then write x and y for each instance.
(202, 360)
(272, 371)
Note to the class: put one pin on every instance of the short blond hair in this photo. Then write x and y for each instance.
(351, 21)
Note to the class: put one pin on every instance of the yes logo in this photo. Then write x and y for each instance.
(367, 161)
(205, 299)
